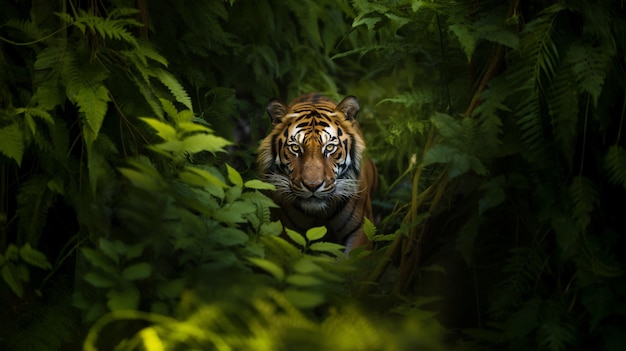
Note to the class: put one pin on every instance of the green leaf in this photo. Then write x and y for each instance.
(12, 142)
(303, 280)
(305, 265)
(234, 176)
(369, 229)
(203, 142)
(259, 185)
(164, 130)
(175, 88)
(98, 259)
(137, 271)
(316, 233)
(141, 179)
(99, 280)
(272, 228)
(229, 236)
(9, 275)
(34, 257)
(93, 104)
(269, 266)
(296, 237)
(127, 299)
(332, 248)
(108, 248)
(304, 299)
(234, 213)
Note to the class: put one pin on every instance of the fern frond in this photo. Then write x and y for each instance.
(562, 100)
(107, 28)
(584, 197)
(590, 65)
(175, 88)
(29, 28)
(524, 266)
(615, 165)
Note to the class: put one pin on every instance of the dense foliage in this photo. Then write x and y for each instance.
(131, 216)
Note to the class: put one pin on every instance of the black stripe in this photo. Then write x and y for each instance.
(345, 223)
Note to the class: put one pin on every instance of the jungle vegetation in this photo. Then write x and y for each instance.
(132, 217)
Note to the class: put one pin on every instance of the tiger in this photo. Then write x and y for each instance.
(314, 156)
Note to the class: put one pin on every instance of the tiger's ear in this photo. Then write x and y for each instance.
(349, 106)
(277, 110)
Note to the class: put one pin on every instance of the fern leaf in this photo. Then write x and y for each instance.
(590, 65)
(562, 100)
(583, 196)
(615, 165)
(12, 142)
(175, 88)
(107, 27)
(524, 267)
(93, 104)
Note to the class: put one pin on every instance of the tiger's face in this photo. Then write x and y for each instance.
(313, 154)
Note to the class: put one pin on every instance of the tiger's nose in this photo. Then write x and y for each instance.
(313, 186)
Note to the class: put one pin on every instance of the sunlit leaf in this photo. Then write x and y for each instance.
(234, 176)
(259, 184)
(296, 237)
(316, 233)
(269, 266)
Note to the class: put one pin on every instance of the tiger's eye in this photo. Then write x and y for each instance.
(295, 148)
(330, 148)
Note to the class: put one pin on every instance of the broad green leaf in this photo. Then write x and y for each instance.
(233, 194)
(316, 233)
(9, 275)
(34, 257)
(229, 236)
(164, 130)
(305, 265)
(303, 280)
(234, 176)
(332, 248)
(12, 142)
(190, 127)
(99, 280)
(269, 266)
(259, 184)
(93, 104)
(296, 237)
(140, 179)
(127, 299)
(204, 142)
(272, 228)
(137, 271)
(98, 259)
(234, 213)
(134, 251)
(304, 299)
(108, 248)
(11, 253)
